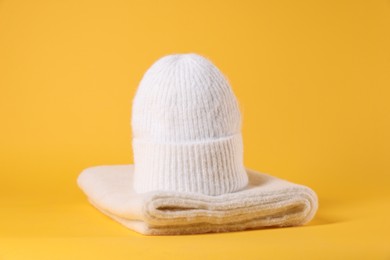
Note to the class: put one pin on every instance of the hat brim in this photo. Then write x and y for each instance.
(266, 201)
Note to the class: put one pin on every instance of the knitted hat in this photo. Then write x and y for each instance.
(187, 129)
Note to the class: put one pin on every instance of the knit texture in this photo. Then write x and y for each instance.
(187, 129)
(265, 202)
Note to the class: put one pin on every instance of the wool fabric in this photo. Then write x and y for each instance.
(188, 175)
(187, 129)
(265, 202)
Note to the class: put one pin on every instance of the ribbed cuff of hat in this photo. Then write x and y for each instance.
(211, 167)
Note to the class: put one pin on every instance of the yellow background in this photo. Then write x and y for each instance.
(312, 79)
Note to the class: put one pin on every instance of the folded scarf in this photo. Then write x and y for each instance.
(267, 201)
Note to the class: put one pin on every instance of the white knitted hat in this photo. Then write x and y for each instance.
(187, 129)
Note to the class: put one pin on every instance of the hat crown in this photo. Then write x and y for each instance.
(186, 129)
(184, 98)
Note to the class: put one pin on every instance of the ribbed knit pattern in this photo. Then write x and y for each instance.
(187, 129)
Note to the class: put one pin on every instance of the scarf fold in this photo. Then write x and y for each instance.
(267, 201)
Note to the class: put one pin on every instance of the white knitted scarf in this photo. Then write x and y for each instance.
(266, 202)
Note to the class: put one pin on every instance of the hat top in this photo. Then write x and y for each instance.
(184, 98)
